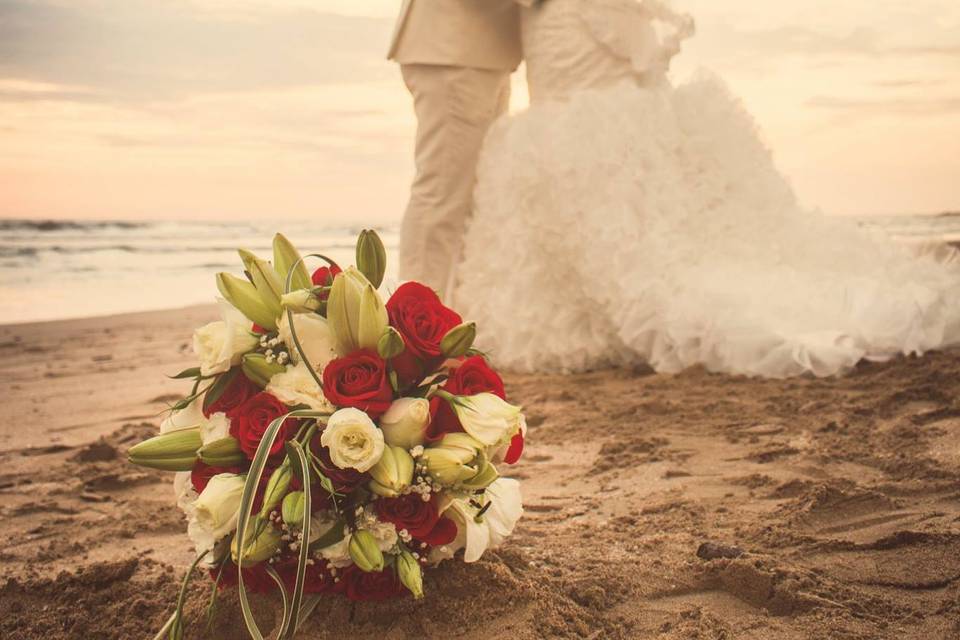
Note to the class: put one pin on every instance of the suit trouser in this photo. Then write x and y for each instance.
(454, 106)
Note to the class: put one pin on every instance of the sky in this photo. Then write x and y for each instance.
(235, 109)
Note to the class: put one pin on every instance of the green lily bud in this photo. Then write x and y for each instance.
(294, 504)
(485, 476)
(371, 257)
(459, 460)
(393, 472)
(256, 367)
(391, 344)
(243, 295)
(172, 451)
(355, 312)
(364, 551)
(224, 452)
(285, 255)
(300, 301)
(276, 487)
(267, 282)
(411, 574)
(458, 340)
(261, 547)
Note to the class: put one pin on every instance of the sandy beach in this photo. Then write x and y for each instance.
(695, 506)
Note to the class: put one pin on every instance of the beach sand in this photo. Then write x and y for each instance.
(819, 508)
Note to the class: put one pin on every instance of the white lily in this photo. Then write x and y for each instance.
(477, 534)
(487, 417)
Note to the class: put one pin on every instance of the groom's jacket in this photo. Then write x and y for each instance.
(482, 34)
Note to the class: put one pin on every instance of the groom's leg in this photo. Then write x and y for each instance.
(454, 108)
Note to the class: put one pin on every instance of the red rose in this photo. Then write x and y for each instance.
(323, 277)
(359, 380)
(417, 313)
(239, 390)
(317, 578)
(373, 585)
(249, 421)
(255, 579)
(421, 519)
(471, 377)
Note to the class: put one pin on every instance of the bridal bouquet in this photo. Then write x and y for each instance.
(333, 443)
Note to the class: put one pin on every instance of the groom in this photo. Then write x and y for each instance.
(456, 57)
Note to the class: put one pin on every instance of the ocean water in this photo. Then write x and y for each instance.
(68, 269)
(58, 269)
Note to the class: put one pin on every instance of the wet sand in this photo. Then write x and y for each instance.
(820, 508)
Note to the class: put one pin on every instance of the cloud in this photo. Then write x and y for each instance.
(153, 50)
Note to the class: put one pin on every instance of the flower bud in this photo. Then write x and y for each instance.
(355, 312)
(486, 416)
(285, 255)
(459, 460)
(293, 508)
(300, 301)
(244, 296)
(171, 451)
(258, 370)
(393, 472)
(276, 487)
(266, 281)
(411, 574)
(458, 340)
(365, 552)
(262, 541)
(224, 452)
(391, 344)
(371, 257)
(405, 422)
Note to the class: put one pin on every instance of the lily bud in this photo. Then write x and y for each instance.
(261, 547)
(371, 257)
(486, 416)
(258, 370)
(244, 296)
(171, 451)
(355, 312)
(285, 255)
(391, 344)
(224, 452)
(276, 487)
(267, 283)
(458, 340)
(411, 574)
(364, 551)
(300, 301)
(393, 472)
(459, 460)
(405, 422)
(294, 504)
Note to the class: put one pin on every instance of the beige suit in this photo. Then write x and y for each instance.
(456, 57)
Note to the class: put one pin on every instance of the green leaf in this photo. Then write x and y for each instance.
(217, 388)
(289, 628)
(333, 535)
(192, 372)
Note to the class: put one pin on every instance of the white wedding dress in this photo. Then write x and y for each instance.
(621, 220)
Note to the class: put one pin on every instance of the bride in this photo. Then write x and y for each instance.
(622, 219)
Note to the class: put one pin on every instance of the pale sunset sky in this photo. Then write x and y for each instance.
(218, 109)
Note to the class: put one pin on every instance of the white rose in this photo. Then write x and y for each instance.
(385, 533)
(296, 386)
(353, 440)
(190, 417)
(496, 524)
(184, 491)
(405, 422)
(216, 427)
(215, 511)
(314, 335)
(221, 344)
